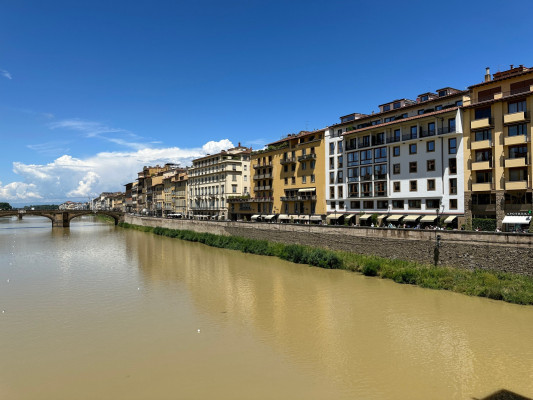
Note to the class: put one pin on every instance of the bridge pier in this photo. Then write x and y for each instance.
(20, 216)
(60, 220)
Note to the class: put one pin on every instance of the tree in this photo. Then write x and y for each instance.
(5, 207)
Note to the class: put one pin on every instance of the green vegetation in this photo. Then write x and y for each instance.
(511, 288)
(5, 207)
(43, 207)
(105, 218)
(484, 224)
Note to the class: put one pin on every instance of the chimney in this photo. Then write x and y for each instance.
(239, 144)
(487, 75)
(511, 66)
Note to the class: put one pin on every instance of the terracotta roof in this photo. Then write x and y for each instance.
(512, 75)
(297, 136)
(402, 120)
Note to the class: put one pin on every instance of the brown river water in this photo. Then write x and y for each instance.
(99, 312)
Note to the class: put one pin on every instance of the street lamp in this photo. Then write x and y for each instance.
(441, 209)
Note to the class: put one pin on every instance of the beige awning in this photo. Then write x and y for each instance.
(348, 216)
(316, 218)
(364, 217)
(306, 190)
(284, 216)
(411, 218)
(304, 218)
(380, 218)
(450, 219)
(428, 218)
(269, 217)
(394, 218)
(333, 216)
(254, 217)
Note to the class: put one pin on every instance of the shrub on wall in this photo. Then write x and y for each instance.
(484, 224)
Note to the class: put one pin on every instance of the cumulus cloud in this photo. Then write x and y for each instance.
(76, 178)
(5, 74)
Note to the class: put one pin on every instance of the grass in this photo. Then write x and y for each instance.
(512, 288)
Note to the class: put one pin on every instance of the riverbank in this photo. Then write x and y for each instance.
(512, 288)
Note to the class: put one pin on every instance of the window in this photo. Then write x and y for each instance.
(412, 186)
(453, 204)
(286, 181)
(453, 186)
(398, 204)
(353, 174)
(431, 165)
(380, 171)
(386, 107)
(368, 204)
(304, 165)
(339, 162)
(396, 186)
(380, 189)
(452, 166)
(451, 125)
(517, 106)
(484, 177)
(353, 159)
(518, 151)
(340, 177)
(304, 152)
(355, 204)
(353, 190)
(366, 189)
(424, 98)
(431, 128)
(339, 150)
(483, 155)
(293, 167)
(331, 163)
(234, 188)
(313, 163)
(332, 148)
(420, 112)
(515, 130)
(366, 173)
(517, 174)
(396, 105)
(313, 178)
(333, 205)
(413, 167)
(397, 135)
(452, 146)
(285, 168)
(482, 113)
(332, 177)
(432, 204)
(412, 148)
(430, 146)
(304, 179)
(431, 184)
(293, 180)
(413, 132)
(245, 167)
(332, 192)
(438, 108)
(482, 135)
(366, 157)
(341, 205)
(396, 151)
(442, 93)
(340, 192)
(382, 204)
(414, 204)
(380, 155)
(234, 178)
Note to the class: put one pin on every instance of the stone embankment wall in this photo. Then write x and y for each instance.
(494, 251)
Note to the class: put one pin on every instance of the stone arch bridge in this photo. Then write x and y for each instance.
(62, 218)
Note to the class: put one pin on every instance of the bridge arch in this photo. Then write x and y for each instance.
(116, 216)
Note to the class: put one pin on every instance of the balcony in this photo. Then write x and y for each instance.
(288, 160)
(409, 136)
(483, 208)
(289, 198)
(515, 162)
(481, 123)
(262, 199)
(363, 143)
(351, 146)
(257, 177)
(307, 197)
(516, 185)
(445, 130)
(427, 132)
(482, 187)
(515, 117)
(512, 140)
(310, 156)
(481, 144)
(264, 165)
(393, 139)
(480, 165)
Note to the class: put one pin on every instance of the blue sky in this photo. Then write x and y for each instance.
(90, 91)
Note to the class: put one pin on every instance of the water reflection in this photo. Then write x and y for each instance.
(367, 335)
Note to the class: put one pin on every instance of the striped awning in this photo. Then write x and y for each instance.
(411, 218)
(394, 218)
(268, 217)
(284, 217)
(333, 216)
(450, 219)
(254, 217)
(428, 218)
(364, 217)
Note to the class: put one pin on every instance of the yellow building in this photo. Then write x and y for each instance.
(497, 151)
(179, 197)
(288, 181)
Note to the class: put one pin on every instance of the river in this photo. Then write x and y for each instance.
(99, 312)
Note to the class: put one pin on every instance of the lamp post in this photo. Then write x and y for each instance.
(441, 212)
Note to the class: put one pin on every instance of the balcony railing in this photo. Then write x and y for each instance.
(409, 136)
(289, 198)
(262, 199)
(263, 165)
(363, 143)
(427, 132)
(310, 156)
(352, 146)
(447, 129)
(393, 139)
(288, 160)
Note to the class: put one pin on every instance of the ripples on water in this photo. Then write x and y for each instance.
(95, 311)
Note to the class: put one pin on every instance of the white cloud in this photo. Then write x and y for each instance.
(5, 74)
(75, 178)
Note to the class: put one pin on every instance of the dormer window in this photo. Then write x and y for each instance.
(386, 107)
(397, 105)
(443, 93)
(424, 98)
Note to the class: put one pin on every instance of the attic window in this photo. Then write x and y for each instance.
(443, 93)
(424, 98)
(397, 105)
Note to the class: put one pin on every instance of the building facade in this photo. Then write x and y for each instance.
(403, 165)
(497, 151)
(215, 177)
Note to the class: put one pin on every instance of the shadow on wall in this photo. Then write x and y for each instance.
(503, 395)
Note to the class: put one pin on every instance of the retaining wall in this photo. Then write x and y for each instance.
(493, 251)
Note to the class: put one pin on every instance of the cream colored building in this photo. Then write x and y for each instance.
(215, 177)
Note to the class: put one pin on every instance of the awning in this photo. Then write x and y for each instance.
(411, 218)
(316, 218)
(348, 216)
(284, 217)
(254, 217)
(380, 218)
(394, 218)
(333, 216)
(306, 190)
(304, 218)
(268, 217)
(364, 217)
(428, 218)
(450, 219)
(517, 219)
